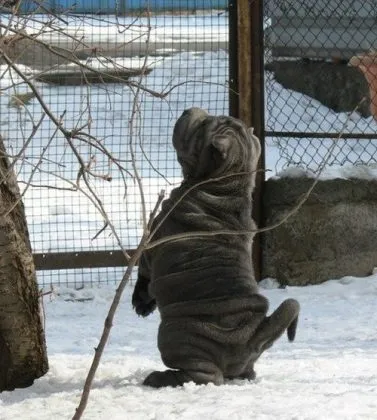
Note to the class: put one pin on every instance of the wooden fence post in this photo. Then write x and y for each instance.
(246, 97)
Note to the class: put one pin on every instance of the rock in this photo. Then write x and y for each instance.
(334, 84)
(334, 233)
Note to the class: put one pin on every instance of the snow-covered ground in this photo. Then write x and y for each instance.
(328, 373)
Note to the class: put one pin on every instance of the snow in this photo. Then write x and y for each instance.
(211, 26)
(329, 372)
(348, 171)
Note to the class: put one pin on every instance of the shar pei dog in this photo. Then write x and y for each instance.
(214, 323)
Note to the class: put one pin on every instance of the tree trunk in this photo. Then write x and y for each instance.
(23, 356)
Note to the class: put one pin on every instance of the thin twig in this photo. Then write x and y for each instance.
(69, 136)
(48, 187)
(17, 201)
(195, 186)
(135, 108)
(131, 263)
(103, 228)
(80, 64)
(24, 147)
(83, 172)
(73, 59)
(110, 316)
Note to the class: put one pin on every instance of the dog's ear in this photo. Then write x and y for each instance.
(222, 144)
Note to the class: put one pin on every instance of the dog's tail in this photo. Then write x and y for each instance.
(285, 317)
(292, 327)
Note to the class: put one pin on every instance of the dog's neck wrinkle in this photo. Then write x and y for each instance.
(202, 209)
(225, 188)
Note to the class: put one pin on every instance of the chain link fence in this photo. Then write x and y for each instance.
(313, 96)
(93, 95)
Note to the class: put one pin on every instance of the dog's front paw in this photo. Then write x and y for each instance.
(142, 301)
(142, 307)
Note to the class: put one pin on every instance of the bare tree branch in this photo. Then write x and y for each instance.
(74, 60)
(23, 149)
(135, 110)
(134, 258)
(15, 204)
(110, 317)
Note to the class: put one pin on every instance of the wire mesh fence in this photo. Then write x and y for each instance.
(92, 88)
(313, 96)
(115, 83)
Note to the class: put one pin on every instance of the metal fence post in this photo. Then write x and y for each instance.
(246, 96)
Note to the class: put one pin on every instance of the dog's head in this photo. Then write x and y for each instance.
(210, 146)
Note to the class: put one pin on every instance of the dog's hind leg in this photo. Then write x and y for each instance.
(204, 374)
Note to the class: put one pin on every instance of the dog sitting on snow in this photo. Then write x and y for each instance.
(214, 323)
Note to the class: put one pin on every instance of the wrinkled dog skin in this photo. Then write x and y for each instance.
(214, 323)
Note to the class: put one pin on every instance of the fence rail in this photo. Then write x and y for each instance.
(80, 259)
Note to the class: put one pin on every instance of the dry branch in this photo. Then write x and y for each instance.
(69, 135)
(110, 317)
(146, 237)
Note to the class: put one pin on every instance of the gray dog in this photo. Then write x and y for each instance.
(214, 323)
